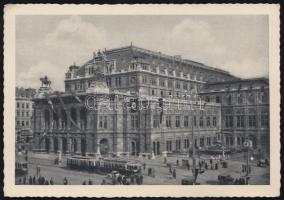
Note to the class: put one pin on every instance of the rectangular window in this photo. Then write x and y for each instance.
(177, 85)
(28, 114)
(23, 105)
(264, 120)
(144, 79)
(208, 121)
(105, 122)
(156, 121)
(214, 121)
(23, 114)
(18, 113)
(18, 123)
(218, 99)
(185, 86)
(27, 105)
(178, 145)
(162, 82)
(18, 105)
(177, 121)
(27, 123)
(101, 121)
(252, 121)
(185, 122)
(194, 121)
(168, 121)
(134, 121)
(201, 121)
(169, 145)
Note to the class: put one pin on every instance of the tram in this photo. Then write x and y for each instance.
(21, 168)
(104, 165)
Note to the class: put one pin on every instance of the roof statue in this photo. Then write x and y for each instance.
(45, 82)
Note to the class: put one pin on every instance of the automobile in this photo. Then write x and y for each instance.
(189, 181)
(225, 179)
(262, 163)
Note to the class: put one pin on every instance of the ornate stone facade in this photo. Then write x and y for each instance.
(82, 120)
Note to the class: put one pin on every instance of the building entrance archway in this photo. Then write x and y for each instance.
(104, 146)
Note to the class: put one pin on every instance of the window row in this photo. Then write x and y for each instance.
(24, 114)
(209, 121)
(23, 105)
(23, 123)
(250, 120)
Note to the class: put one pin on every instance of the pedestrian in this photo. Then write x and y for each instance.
(137, 180)
(170, 169)
(24, 180)
(51, 181)
(103, 182)
(124, 181)
(46, 182)
(90, 182)
(119, 179)
(165, 160)
(30, 180)
(188, 166)
(206, 166)
(141, 179)
(39, 180)
(20, 181)
(65, 181)
(34, 180)
(174, 173)
(84, 182)
(43, 181)
(211, 161)
(177, 162)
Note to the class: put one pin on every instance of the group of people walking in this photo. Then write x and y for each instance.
(33, 180)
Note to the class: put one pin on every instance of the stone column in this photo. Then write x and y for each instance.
(59, 144)
(89, 145)
(69, 143)
(50, 119)
(78, 118)
(68, 120)
(78, 150)
(59, 119)
(51, 146)
(89, 121)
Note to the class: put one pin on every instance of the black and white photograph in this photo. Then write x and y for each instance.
(142, 99)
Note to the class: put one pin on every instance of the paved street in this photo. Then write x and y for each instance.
(259, 175)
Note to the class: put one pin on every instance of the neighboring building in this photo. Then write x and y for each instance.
(24, 113)
(245, 110)
(117, 77)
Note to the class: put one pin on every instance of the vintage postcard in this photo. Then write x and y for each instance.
(142, 100)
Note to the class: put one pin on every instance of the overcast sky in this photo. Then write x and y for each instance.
(47, 45)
